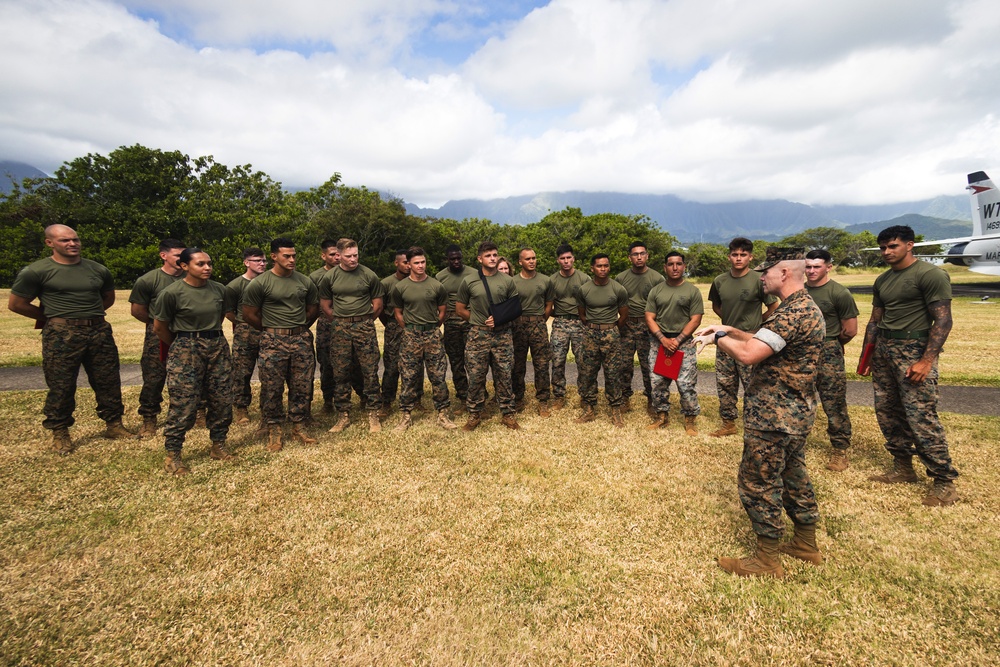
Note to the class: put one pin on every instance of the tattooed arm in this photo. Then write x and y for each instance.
(941, 312)
(871, 331)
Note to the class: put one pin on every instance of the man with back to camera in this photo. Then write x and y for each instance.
(779, 411)
(530, 331)
(910, 322)
(737, 297)
(567, 330)
(74, 294)
(673, 312)
(145, 291)
(246, 339)
(456, 330)
(282, 304)
(841, 315)
(637, 280)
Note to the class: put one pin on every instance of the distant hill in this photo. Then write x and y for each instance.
(931, 228)
(15, 172)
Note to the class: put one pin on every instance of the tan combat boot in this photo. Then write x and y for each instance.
(558, 403)
(660, 420)
(764, 563)
(901, 473)
(838, 461)
(543, 409)
(691, 425)
(299, 431)
(342, 423)
(374, 424)
(445, 422)
(174, 465)
(587, 416)
(803, 545)
(942, 494)
(274, 443)
(404, 421)
(384, 411)
(199, 419)
(148, 429)
(116, 431)
(728, 428)
(473, 421)
(241, 416)
(510, 421)
(261, 431)
(650, 410)
(220, 452)
(616, 418)
(61, 442)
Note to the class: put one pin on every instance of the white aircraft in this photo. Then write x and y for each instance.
(981, 251)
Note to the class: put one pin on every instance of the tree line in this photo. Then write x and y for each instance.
(122, 204)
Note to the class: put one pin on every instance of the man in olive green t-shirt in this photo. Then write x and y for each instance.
(637, 280)
(74, 293)
(392, 338)
(456, 330)
(567, 330)
(530, 331)
(246, 339)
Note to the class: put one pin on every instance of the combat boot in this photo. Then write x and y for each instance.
(616, 418)
(459, 407)
(383, 412)
(241, 416)
(803, 545)
(174, 465)
(764, 563)
(261, 431)
(838, 461)
(61, 442)
(374, 424)
(299, 431)
(559, 403)
(660, 420)
(691, 425)
(148, 429)
(342, 423)
(587, 416)
(445, 422)
(473, 422)
(650, 410)
(220, 452)
(328, 407)
(116, 431)
(199, 419)
(627, 404)
(510, 421)
(728, 428)
(274, 443)
(404, 422)
(942, 494)
(519, 404)
(902, 473)
(543, 409)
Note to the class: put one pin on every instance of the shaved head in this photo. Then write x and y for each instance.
(55, 231)
(64, 242)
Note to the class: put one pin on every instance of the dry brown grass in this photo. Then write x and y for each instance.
(558, 544)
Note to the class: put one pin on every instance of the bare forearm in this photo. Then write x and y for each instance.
(941, 311)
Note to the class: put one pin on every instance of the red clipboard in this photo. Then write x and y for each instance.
(865, 362)
(164, 349)
(668, 365)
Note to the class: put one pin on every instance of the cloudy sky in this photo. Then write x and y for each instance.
(855, 101)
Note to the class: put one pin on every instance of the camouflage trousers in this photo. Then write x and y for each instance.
(906, 412)
(326, 383)
(350, 341)
(687, 381)
(729, 373)
(456, 333)
(392, 339)
(65, 348)
(773, 475)
(286, 359)
(197, 366)
(533, 336)
(154, 375)
(831, 383)
(635, 342)
(417, 350)
(487, 350)
(246, 350)
(566, 332)
(600, 349)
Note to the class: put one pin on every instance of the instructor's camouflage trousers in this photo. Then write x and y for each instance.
(773, 475)
(831, 383)
(286, 359)
(729, 373)
(354, 340)
(600, 349)
(65, 348)
(566, 332)
(456, 333)
(154, 375)
(488, 350)
(246, 350)
(906, 412)
(687, 380)
(419, 349)
(197, 366)
(635, 342)
(533, 336)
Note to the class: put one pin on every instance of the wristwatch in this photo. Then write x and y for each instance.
(720, 334)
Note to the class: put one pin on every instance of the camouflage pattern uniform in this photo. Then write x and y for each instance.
(780, 409)
(194, 364)
(419, 348)
(687, 380)
(323, 329)
(635, 334)
(567, 329)
(392, 339)
(837, 304)
(673, 307)
(601, 342)
(531, 334)
(246, 346)
(456, 331)
(154, 372)
(488, 348)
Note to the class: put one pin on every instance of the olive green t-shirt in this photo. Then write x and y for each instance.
(740, 299)
(282, 300)
(564, 289)
(189, 308)
(318, 275)
(906, 294)
(351, 292)
(452, 281)
(235, 289)
(674, 306)
(638, 286)
(148, 287)
(72, 291)
(419, 300)
(602, 302)
(472, 293)
(836, 303)
(534, 292)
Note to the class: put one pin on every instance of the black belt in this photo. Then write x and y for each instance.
(210, 333)
(904, 335)
(567, 317)
(421, 327)
(285, 332)
(91, 322)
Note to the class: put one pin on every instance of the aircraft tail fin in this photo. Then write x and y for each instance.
(985, 204)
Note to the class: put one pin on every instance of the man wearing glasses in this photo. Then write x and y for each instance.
(638, 281)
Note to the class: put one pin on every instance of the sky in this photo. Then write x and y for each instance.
(852, 102)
